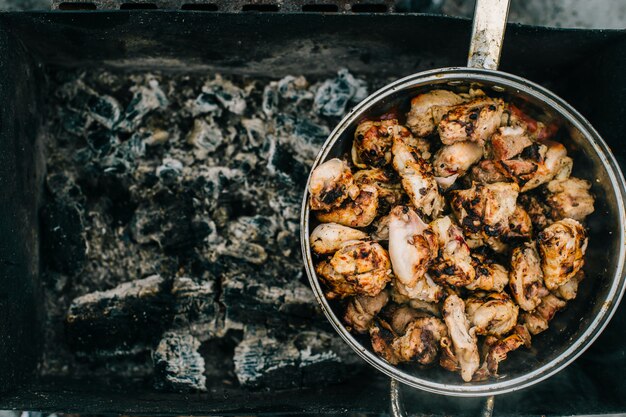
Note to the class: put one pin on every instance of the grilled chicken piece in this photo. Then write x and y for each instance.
(520, 224)
(380, 229)
(475, 121)
(536, 210)
(412, 247)
(562, 246)
(490, 276)
(399, 316)
(509, 142)
(427, 110)
(569, 290)
(359, 268)
(499, 349)
(536, 129)
(487, 172)
(329, 237)
(453, 264)
(537, 321)
(570, 198)
(417, 178)
(526, 278)
(463, 338)
(372, 143)
(491, 314)
(331, 184)
(359, 212)
(554, 165)
(485, 209)
(431, 308)
(455, 160)
(361, 311)
(388, 190)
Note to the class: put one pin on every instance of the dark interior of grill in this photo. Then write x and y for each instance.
(585, 67)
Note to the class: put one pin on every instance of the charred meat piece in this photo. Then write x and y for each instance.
(537, 321)
(359, 212)
(361, 311)
(417, 177)
(487, 172)
(463, 337)
(420, 342)
(372, 143)
(389, 191)
(537, 210)
(331, 184)
(526, 277)
(562, 246)
(570, 198)
(473, 121)
(327, 238)
(569, 290)
(490, 276)
(554, 165)
(360, 268)
(499, 349)
(453, 264)
(427, 110)
(491, 314)
(509, 142)
(456, 159)
(520, 224)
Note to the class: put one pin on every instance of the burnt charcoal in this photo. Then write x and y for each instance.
(63, 245)
(264, 299)
(205, 137)
(145, 100)
(306, 359)
(177, 364)
(125, 320)
(311, 132)
(270, 100)
(75, 122)
(195, 308)
(102, 142)
(205, 103)
(169, 169)
(63, 188)
(334, 95)
(103, 109)
(231, 97)
(218, 358)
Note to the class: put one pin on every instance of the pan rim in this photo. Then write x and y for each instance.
(609, 162)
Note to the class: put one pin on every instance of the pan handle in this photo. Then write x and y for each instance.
(488, 33)
(397, 407)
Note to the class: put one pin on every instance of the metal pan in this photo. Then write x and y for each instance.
(574, 329)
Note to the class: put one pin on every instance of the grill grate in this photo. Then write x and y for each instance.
(234, 6)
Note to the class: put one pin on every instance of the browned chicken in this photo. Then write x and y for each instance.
(359, 212)
(412, 247)
(499, 349)
(537, 321)
(490, 276)
(455, 160)
(474, 121)
(331, 184)
(508, 142)
(537, 210)
(526, 278)
(491, 313)
(562, 246)
(520, 224)
(554, 165)
(372, 143)
(427, 110)
(464, 342)
(362, 309)
(453, 264)
(485, 209)
(487, 172)
(569, 290)
(380, 229)
(360, 268)
(429, 307)
(389, 189)
(327, 238)
(417, 178)
(570, 198)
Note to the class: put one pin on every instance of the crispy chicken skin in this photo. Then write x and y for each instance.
(389, 190)
(490, 276)
(491, 314)
(361, 310)
(562, 246)
(485, 209)
(509, 142)
(327, 238)
(453, 264)
(473, 121)
(331, 184)
(412, 248)
(372, 143)
(570, 198)
(455, 159)
(359, 212)
(417, 178)
(359, 268)
(427, 109)
(463, 337)
(537, 321)
(526, 277)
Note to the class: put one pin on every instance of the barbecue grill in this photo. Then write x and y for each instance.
(270, 40)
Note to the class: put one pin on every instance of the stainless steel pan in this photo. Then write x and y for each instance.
(573, 330)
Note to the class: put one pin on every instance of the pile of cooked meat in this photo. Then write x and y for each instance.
(454, 237)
